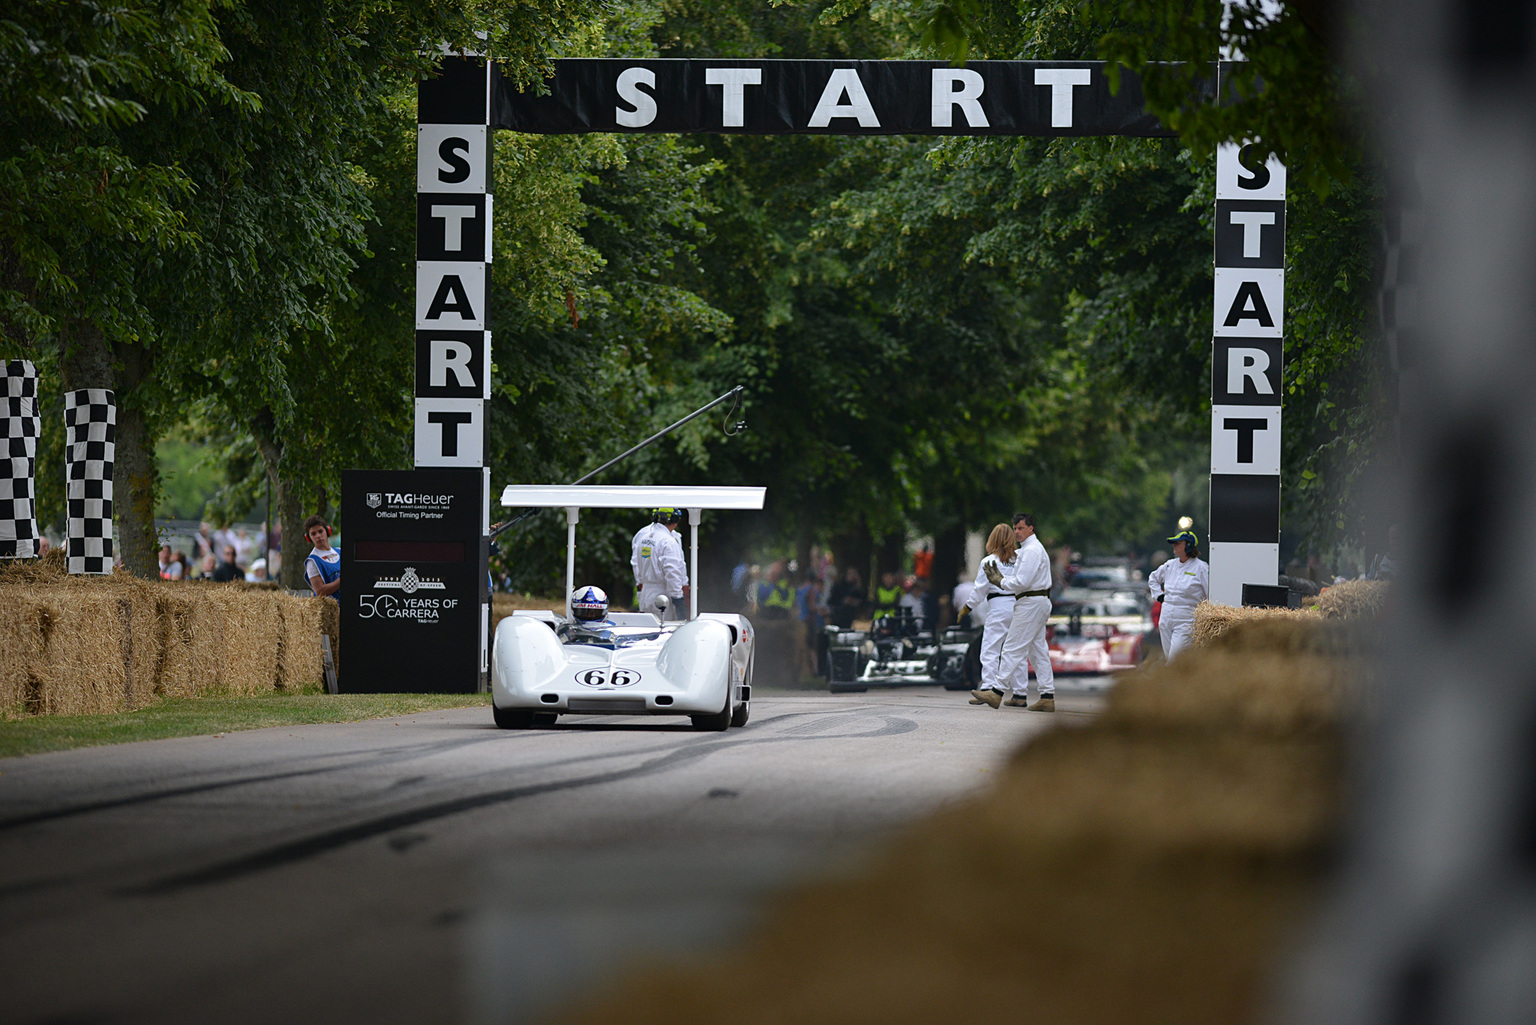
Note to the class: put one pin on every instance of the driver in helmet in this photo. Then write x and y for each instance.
(589, 614)
(657, 559)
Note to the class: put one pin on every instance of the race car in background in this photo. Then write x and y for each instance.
(544, 664)
(1088, 636)
(896, 651)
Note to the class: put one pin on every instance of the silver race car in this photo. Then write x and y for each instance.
(544, 664)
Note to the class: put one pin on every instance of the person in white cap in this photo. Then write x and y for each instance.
(656, 556)
(257, 574)
(1180, 584)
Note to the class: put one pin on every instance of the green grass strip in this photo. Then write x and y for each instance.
(191, 717)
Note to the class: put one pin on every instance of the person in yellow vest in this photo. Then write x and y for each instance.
(775, 598)
(888, 596)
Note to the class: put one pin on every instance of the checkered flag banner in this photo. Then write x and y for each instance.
(90, 424)
(18, 459)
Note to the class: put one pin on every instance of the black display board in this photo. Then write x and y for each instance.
(414, 587)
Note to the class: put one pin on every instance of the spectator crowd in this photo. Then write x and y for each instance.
(225, 554)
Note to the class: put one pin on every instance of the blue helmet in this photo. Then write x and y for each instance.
(589, 603)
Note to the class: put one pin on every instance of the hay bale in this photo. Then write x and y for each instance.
(299, 662)
(1157, 856)
(1355, 599)
(1212, 620)
(83, 670)
(25, 622)
(49, 569)
(79, 645)
(250, 634)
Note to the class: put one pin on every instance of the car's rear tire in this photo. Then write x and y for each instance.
(512, 718)
(743, 711)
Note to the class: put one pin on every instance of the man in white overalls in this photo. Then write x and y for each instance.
(657, 559)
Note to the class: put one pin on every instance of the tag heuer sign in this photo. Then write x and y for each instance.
(375, 499)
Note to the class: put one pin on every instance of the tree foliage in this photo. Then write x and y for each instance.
(220, 197)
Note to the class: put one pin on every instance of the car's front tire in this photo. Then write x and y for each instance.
(721, 720)
(512, 718)
(739, 717)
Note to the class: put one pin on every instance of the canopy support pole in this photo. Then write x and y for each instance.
(694, 515)
(572, 517)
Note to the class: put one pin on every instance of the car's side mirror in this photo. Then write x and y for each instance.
(662, 603)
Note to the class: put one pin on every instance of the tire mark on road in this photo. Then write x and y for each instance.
(320, 843)
(370, 759)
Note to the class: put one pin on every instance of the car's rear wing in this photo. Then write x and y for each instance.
(575, 497)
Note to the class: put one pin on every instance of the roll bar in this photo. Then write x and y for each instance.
(575, 497)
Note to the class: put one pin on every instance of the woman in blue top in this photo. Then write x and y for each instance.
(323, 567)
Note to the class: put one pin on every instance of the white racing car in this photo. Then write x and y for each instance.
(629, 663)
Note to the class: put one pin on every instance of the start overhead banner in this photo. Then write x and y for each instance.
(821, 97)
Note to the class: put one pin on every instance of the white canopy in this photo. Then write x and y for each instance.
(630, 496)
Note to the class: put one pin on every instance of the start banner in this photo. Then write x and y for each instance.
(824, 97)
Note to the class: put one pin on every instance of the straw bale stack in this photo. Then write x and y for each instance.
(82, 645)
(1145, 866)
(1354, 599)
(1213, 620)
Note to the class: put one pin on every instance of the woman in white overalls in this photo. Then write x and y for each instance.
(1180, 584)
(996, 615)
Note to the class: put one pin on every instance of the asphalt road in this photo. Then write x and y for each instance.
(433, 868)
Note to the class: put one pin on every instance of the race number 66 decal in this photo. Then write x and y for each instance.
(607, 677)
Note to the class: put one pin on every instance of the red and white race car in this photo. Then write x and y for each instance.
(1085, 641)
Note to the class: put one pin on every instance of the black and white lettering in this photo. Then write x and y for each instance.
(453, 364)
(1250, 233)
(453, 226)
(450, 296)
(450, 432)
(1246, 371)
(776, 97)
(1242, 172)
(1250, 302)
(844, 96)
(733, 83)
(1245, 439)
(958, 88)
(641, 106)
(1061, 82)
(451, 158)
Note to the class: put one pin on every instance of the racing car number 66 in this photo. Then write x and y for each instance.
(605, 677)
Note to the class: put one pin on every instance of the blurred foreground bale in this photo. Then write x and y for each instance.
(1351, 600)
(1146, 867)
(83, 645)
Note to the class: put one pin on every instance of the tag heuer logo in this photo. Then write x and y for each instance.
(375, 499)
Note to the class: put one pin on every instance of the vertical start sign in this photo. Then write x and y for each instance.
(453, 263)
(1248, 352)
